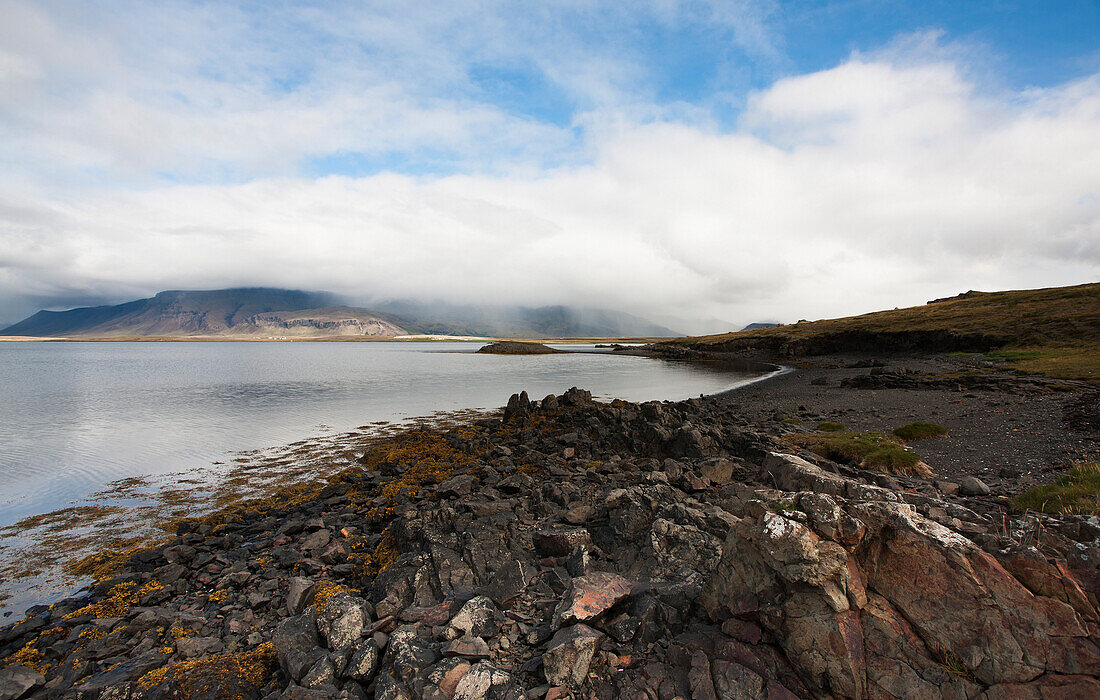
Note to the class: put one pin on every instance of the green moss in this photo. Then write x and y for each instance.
(792, 421)
(1077, 491)
(920, 430)
(830, 427)
(876, 451)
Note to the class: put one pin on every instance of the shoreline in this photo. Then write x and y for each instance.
(701, 464)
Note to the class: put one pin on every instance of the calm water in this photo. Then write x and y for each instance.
(76, 416)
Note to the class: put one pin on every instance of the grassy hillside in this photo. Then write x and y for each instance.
(1053, 331)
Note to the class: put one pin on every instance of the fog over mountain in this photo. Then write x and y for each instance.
(269, 312)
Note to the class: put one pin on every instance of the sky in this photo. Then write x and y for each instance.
(705, 164)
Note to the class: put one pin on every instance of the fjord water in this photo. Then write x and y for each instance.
(76, 416)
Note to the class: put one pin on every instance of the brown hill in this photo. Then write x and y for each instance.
(1055, 331)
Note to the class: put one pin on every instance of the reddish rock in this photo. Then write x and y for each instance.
(1048, 578)
(451, 678)
(702, 686)
(590, 596)
(938, 600)
(1052, 687)
(434, 616)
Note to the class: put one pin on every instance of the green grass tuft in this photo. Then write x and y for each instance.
(920, 431)
(1077, 491)
(876, 451)
(830, 427)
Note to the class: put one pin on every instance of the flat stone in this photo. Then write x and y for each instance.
(299, 594)
(467, 647)
(364, 662)
(589, 596)
(484, 680)
(718, 470)
(559, 541)
(477, 618)
(569, 655)
(449, 683)
(16, 680)
(316, 540)
(342, 621)
(296, 644)
(191, 647)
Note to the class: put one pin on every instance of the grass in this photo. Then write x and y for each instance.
(920, 430)
(830, 427)
(877, 451)
(1076, 491)
(1053, 331)
(1063, 362)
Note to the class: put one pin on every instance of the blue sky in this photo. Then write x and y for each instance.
(748, 154)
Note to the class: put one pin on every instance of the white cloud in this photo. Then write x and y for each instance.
(668, 219)
(885, 181)
(128, 91)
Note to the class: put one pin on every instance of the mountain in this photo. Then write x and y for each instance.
(251, 311)
(265, 312)
(754, 326)
(520, 321)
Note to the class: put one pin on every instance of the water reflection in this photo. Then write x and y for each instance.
(75, 416)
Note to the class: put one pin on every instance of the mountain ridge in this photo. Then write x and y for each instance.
(275, 312)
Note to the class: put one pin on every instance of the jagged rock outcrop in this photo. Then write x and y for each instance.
(868, 598)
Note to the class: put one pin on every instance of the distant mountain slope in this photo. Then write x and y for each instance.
(244, 311)
(263, 312)
(520, 321)
(754, 326)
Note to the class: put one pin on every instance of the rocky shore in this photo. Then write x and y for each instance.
(572, 548)
(511, 347)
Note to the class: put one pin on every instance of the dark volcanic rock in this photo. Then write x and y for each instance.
(590, 550)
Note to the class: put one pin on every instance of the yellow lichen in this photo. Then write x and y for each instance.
(30, 657)
(178, 632)
(218, 596)
(423, 457)
(118, 602)
(103, 564)
(383, 556)
(325, 590)
(221, 676)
